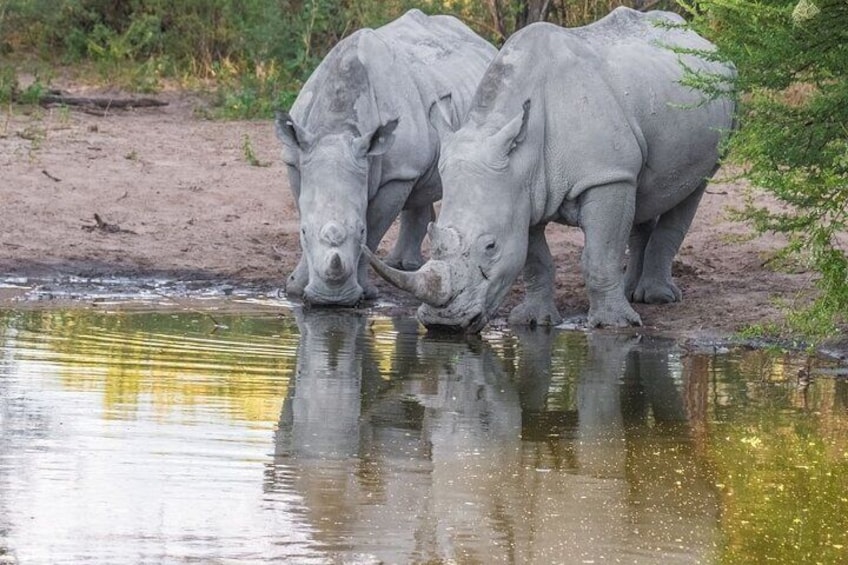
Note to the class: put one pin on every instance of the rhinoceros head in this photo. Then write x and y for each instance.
(331, 174)
(479, 242)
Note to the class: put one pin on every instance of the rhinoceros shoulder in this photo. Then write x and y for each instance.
(657, 29)
(624, 21)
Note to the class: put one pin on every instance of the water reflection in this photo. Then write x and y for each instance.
(461, 457)
(631, 486)
(329, 437)
(135, 438)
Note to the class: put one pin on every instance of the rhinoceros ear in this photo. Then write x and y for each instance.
(377, 142)
(442, 116)
(513, 133)
(291, 134)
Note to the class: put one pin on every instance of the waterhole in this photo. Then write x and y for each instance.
(283, 436)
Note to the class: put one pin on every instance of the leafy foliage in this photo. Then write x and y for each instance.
(255, 53)
(10, 89)
(792, 62)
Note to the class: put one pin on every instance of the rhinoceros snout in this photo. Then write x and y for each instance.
(334, 281)
(336, 271)
(442, 320)
(321, 294)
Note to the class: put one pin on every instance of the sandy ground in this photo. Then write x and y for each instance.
(183, 201)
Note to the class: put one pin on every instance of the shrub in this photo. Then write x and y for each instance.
(792, 60)
(257, 52)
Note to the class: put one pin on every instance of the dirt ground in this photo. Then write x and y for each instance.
(178, 197)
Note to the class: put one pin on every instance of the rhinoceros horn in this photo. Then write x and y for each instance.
(429, 284)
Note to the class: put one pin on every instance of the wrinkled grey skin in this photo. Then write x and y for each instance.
(360, 150)
(587, 127)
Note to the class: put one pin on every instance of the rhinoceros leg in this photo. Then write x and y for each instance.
(655, 283)
(538, 307)
(606, 215)
(639, 236)
(406, 254)
(299, 278)
(297, 281)
(382, 211)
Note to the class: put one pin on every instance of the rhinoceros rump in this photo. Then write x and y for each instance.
(588, 127)
(360, 150)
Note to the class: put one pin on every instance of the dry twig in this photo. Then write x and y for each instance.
(105, 227)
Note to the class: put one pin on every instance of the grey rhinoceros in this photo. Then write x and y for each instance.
(588, 127)
(360, 150)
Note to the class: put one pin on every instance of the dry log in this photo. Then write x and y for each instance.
(99, 102)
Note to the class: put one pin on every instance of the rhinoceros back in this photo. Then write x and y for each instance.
(609, 106)
(678, 128)
(443, 55)
(372, 74)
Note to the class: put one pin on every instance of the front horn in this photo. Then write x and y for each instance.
(429, 284)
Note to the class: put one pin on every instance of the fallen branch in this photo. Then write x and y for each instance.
(105, 227)
(105, 103)
(51, 177)
(96, 104)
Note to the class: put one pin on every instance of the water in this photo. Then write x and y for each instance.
(259, 436)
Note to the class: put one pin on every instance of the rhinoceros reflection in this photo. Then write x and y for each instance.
(334, 368)
(465, 457)
(621, 479)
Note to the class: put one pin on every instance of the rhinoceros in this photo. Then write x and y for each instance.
(360, 151)
(588, 127)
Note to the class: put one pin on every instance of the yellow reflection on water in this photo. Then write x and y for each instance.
(779, 449)
(240, 367)
(384, 344)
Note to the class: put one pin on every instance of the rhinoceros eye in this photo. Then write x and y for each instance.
(491, 248)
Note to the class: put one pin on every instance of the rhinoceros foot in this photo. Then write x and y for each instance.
(535, 313)
(613, 314)
(656, 292)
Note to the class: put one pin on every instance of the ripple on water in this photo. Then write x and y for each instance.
(327, 437)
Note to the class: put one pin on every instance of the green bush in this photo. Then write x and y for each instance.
(137, 43)
(257, 53)
(792, 60)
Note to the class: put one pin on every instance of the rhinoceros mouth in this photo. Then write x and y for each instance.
(477, 323)
(438, 321)
(333, 297)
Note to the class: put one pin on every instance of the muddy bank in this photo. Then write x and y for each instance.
(160, 194)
